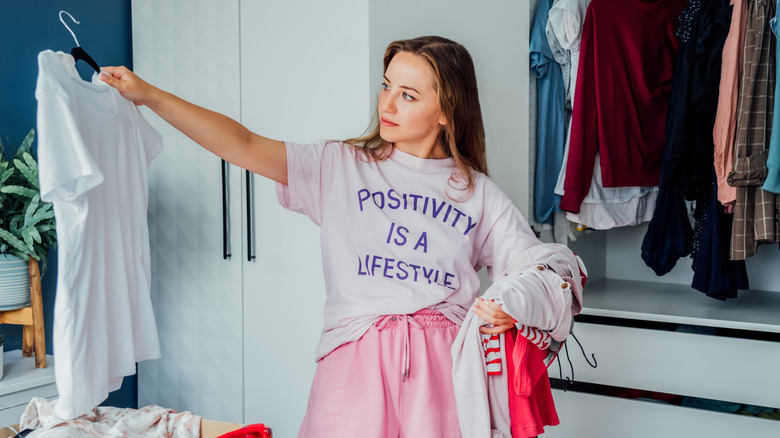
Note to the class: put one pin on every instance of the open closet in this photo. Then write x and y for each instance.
(238, 333)
(658, 341)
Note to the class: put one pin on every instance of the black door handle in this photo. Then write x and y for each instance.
(225, 231)
(250, 251)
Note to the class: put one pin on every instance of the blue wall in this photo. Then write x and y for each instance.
(26, 28)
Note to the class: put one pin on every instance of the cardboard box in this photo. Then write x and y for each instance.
(6, 432)
(208, 429)
(213, 429)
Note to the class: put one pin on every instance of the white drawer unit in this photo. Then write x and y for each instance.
(22, 381)
(630, 327)
(595, 416)
(714, 367)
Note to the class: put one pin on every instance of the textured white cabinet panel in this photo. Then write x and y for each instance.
(714, 367)
(191, 48)
(594, 416)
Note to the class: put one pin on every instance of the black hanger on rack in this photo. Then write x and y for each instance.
(78, 53)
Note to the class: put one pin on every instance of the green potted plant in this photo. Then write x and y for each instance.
(26, 223)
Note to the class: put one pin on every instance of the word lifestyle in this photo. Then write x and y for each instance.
(427, 205)
(375, 265)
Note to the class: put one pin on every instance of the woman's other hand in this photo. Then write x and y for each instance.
(494, 314)
(129, 85)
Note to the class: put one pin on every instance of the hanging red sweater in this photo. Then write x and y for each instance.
(623, 81)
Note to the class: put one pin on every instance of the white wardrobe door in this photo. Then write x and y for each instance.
(191, 48)
(304, 78)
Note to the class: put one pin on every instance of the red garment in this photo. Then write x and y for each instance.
(531, 405)
(250, 431)
(625, 74)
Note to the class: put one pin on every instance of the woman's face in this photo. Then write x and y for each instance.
(409, 113)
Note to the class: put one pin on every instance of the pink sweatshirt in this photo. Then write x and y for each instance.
(396, 236)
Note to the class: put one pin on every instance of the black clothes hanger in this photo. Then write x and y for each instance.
(78, 53)
(566, 381)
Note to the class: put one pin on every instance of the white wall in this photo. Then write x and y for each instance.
(498, 44)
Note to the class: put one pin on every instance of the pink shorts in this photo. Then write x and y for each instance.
(395, 381)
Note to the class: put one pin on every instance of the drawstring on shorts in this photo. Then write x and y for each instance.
(405, 321)
(420, 319)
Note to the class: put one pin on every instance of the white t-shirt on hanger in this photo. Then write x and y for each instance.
(94, 150)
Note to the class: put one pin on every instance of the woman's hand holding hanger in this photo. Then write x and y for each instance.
(219, 134)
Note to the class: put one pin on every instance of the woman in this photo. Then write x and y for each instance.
(408, 217)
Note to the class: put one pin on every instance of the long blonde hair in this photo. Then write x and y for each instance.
(455, 82)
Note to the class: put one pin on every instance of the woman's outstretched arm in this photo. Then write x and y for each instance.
(218, 133)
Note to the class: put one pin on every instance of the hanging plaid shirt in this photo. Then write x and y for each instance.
(755, 218)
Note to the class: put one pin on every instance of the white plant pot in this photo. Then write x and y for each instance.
(14, 282)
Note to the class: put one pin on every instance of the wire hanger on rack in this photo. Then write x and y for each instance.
(78, 52)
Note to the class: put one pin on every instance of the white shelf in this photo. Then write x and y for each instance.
(19, 373)
(663, 302)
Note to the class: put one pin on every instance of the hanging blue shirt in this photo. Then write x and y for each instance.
(772, 182)
(550, 122)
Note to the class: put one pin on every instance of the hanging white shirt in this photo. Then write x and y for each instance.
(94, 150)
(564, 29)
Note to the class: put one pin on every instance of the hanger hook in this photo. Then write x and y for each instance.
(68, 27)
